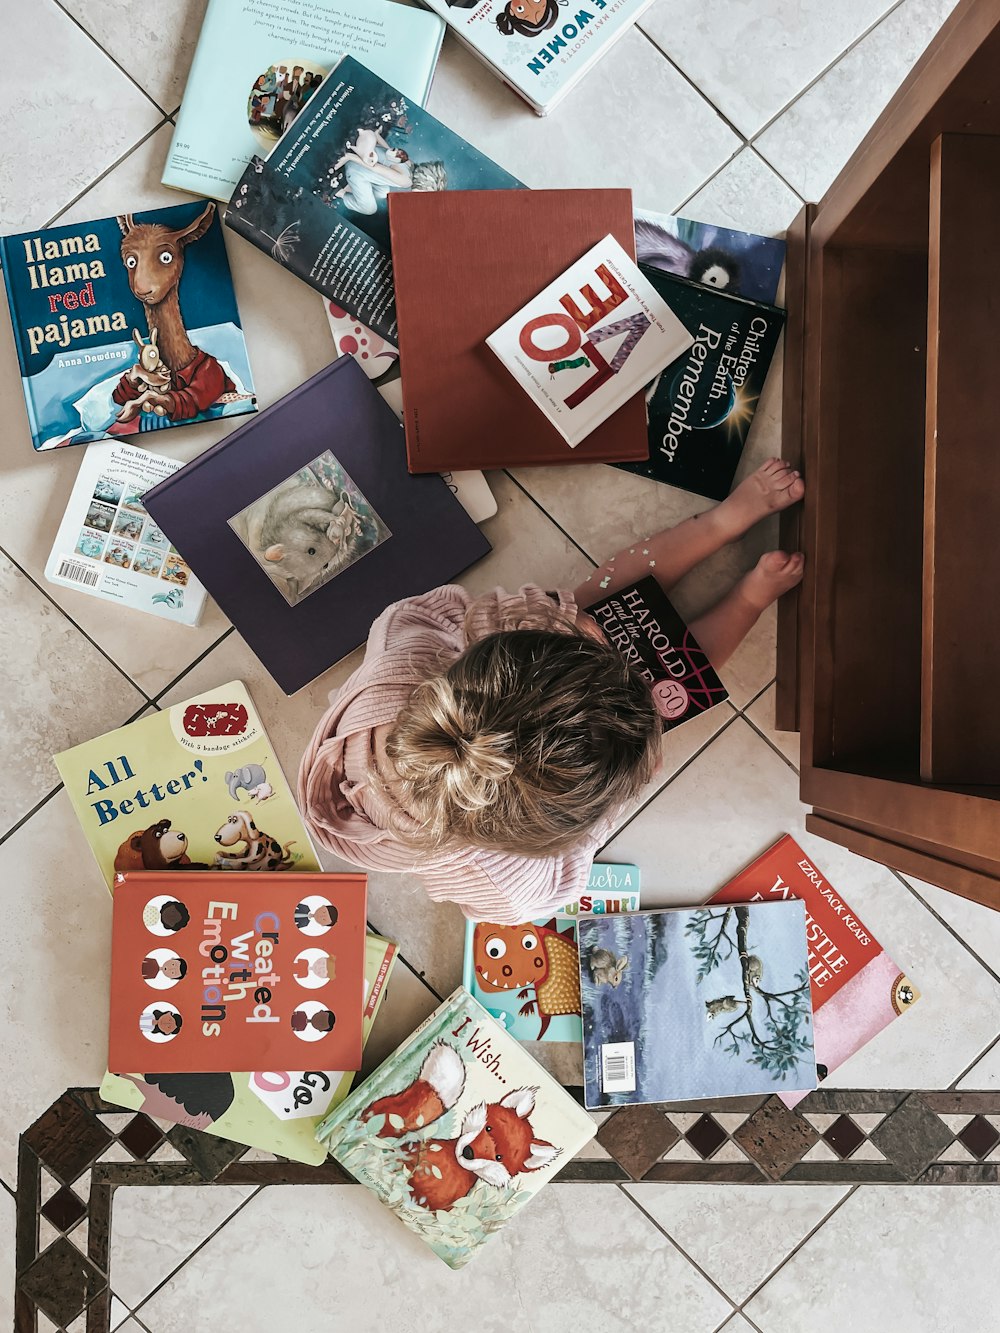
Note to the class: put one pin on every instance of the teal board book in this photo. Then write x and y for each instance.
(126, 326)
(527, 977)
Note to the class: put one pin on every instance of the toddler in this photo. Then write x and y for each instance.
(487, 744)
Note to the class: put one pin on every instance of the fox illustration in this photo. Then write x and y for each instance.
(495, 1145)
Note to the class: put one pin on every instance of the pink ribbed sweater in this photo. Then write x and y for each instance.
(351, 816)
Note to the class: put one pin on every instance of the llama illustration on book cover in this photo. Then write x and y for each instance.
(457, 1130)
(689, 1003)
(590, 341)
(857, 989)
(126, 325)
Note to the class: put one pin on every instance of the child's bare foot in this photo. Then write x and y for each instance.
(774, 573)
(773, 487)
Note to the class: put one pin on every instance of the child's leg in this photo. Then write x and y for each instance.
(671, 554)
(721, 630)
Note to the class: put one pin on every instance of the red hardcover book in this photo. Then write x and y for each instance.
(857, 989)
(464, 262)
(215, 973)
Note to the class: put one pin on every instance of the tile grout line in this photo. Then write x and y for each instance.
(65, 614)
(680, 1249)
(942, 922)
(663, 787)
(107, 54)
(952, 1086)
(106, 172)
(855, 42)
(555, 523)
(795, 1249)
(699, 91)
(200, 1246)
(767, 740)
(191, 666)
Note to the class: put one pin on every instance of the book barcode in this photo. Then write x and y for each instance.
(618, 1067)
(72, 569)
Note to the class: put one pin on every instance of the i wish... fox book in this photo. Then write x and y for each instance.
(457, 1130)
(126, 325)
(684, 1004)
(196, 786)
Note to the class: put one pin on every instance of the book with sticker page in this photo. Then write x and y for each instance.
(274, 1110)
(857, 989)
(126, 326)
(109, 547)
(211, 973)
(527, 977)
(306, 528)
(457, 1130)
(195, 785)
(591, 340)
(257, 67)
(689, 1003)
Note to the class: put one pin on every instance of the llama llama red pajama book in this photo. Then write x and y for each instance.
(457, 1130)
(215, 973)
(857, 989)
(126, 325)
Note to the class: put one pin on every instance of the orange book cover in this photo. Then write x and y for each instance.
(215, 973)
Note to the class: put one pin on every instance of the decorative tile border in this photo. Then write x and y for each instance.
(82, 1149)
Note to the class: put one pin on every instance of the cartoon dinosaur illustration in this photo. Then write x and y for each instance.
(496, 1143)
(153, 256)
(542, 959)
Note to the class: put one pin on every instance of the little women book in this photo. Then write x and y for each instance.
(457, 1130)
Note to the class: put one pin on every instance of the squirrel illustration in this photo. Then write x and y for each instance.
(726, 1004)
(496, 1142)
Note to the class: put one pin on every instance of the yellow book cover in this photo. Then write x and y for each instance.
(195, 786)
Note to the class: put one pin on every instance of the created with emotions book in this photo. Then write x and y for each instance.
(527, 977)
(195, 786)
(126, 325)
(641, 622)
(857, 990)
(689, 1003)
(211, 973)
(590, 340)
(457, 1130)
(274, 1110)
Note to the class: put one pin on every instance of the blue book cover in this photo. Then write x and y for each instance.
(126, 325)
(527, 977)
(738, 262)
(257, 66)
(691, 1003)
(319, 203)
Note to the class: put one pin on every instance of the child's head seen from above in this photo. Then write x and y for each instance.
(524, 742)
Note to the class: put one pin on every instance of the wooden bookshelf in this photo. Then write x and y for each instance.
(886, 658)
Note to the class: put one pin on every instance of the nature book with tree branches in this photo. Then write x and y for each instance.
(691, 1003)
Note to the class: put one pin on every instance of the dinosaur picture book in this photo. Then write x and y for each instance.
(98, 360)
(195, 785)
(318, 204)
(211, 973)
(527, 977)
(109, 547)
(642, 623)
(689, 1003)
(276, 1110)
(857, 989)
(457, 1130)
(256, 67)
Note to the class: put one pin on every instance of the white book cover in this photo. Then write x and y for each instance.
(590, 341)
(108, 546)
(378, 358)
(540, 48)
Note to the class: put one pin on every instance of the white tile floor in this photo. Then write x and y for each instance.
(737, 110)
